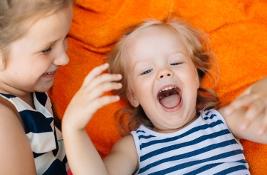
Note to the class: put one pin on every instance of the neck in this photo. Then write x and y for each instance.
(25, 96)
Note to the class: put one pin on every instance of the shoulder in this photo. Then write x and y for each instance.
(10, 125)
(8, 113)
(13, 138)
(125, 145)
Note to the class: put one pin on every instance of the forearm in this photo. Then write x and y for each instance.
(83, 157)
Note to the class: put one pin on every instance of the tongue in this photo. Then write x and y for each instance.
(171, 101)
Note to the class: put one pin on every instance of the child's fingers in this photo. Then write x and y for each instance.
(103, 101)
(255, 109)
(103, 78)
(257, 130)
(254, 113)
(242, 101)
(101, 89)
(95, 72)
(245, 100)
(258, 120)
(84, 114)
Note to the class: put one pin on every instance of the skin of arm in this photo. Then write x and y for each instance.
(123, 157)
(82, 155)
(16, 154)
(247, 115)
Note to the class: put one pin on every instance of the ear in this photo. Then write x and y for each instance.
(131, 98)
(2, 60)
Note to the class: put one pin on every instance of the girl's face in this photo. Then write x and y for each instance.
(33, 60)
(162, 78)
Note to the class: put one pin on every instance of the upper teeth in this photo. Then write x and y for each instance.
(167, 88)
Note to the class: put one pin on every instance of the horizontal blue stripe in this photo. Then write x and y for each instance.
(202, 169)
(189, 154)
(139, 131)
(192, 163)
(35, 122)
(145, 137)
(232, 169)
(189, 143)
(8, 95)
(242, 161)
(193, 130)
(37, 154)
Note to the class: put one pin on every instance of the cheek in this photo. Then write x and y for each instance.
(194, 76)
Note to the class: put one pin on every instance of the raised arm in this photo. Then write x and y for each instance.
(247, 115)
(81, 153)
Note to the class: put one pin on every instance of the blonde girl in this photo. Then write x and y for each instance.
(177, 128)
(32, 48)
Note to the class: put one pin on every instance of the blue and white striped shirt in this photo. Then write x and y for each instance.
(45, 139)
(205, 146)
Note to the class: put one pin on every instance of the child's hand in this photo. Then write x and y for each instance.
(254, 102)
(89, 98)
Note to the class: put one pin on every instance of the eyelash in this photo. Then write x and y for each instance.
(146, 72)
(47, 50)
(172, 64)
(176, 63)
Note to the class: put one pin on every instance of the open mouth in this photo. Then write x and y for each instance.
(170, 97)
(50, 73)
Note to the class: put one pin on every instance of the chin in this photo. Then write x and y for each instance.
(43, 88)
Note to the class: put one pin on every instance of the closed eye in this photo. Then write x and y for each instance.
(176, 63)
(146, 72)
(47, 50)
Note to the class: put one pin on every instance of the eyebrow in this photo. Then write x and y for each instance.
(138, 63)
(177, 53)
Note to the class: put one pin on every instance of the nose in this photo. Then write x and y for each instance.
(61, 59)
(164, 74)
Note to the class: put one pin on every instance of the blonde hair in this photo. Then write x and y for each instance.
(14, 15)
(194, 42)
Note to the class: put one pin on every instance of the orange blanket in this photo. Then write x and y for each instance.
(238, 36)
